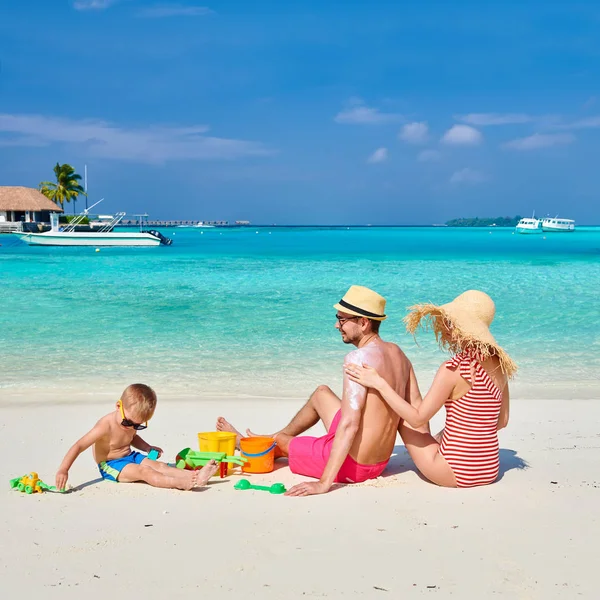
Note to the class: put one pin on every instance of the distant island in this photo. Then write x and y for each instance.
(484, 222)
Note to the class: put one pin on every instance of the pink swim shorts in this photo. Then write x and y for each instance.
(308, 456)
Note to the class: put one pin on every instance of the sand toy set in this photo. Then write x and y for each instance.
(30, 484)
(257, 455)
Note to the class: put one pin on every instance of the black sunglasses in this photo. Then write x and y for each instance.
(342, 320)
(128, 423)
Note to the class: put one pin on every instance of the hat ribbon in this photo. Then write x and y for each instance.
(357, 309)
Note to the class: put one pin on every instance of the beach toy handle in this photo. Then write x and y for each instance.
(273, 445)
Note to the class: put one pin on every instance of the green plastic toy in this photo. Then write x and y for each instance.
(31, 484)
(276, 488)
(192, 459)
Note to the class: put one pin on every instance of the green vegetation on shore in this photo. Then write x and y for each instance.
(484, 222)
(65, 188)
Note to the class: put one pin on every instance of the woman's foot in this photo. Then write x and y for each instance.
(224, 425)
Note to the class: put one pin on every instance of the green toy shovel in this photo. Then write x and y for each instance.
(276, 488)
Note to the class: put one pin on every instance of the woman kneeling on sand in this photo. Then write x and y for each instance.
(473, 386)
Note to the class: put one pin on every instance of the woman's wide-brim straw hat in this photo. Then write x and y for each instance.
(467, 320)
(362, 302)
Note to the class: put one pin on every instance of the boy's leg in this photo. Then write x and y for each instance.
(173, 478)
(166, 469)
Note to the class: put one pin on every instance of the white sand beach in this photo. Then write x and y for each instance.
(531, 535)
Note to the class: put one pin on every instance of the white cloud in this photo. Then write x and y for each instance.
(151, 144)
(93, 4)
(414, 133)
(429, 155)
(358, 113)
(462, 135)
(540, 140)
(467, 175)
(174, 10)
(589, 123)
(380, 155)
(482, 119)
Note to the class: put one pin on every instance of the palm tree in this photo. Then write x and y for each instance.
(66, 187)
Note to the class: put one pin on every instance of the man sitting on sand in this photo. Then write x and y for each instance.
(361, 427)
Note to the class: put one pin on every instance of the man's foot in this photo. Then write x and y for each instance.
(205, 473)
(224, 425)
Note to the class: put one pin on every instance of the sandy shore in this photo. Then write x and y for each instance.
(531, 535)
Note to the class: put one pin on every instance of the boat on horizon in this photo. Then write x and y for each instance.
(529, 225)
(558, 225)
(104, 236)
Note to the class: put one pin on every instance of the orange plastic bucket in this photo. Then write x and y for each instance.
(260, 452)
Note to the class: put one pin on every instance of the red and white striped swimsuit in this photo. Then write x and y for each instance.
(470, 440)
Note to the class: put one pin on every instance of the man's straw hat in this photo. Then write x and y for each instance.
(470, 316)
(362, 302)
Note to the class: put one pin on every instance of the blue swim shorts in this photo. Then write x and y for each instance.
(112, 469)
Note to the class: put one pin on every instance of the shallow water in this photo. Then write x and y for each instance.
(249, 311)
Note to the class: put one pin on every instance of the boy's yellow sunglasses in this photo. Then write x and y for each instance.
(128, 423)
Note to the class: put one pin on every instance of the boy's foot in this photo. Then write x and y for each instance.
(224, 425)
(205, 473)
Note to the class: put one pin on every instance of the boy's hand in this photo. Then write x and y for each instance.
(159, 450)
(61, 479)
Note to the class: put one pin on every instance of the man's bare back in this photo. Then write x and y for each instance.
(376, 436)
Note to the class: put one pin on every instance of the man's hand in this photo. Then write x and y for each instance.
(308, 488)
(61, 479)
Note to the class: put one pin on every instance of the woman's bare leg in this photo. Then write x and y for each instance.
(425, 453)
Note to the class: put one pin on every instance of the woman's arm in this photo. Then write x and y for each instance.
(436, 397)
(504, 409)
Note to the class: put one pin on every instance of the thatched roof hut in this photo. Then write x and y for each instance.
(24, 199)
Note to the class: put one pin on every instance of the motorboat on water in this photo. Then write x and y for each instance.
(103, 236)
(199, 225)
(529, 225)
(558, 225)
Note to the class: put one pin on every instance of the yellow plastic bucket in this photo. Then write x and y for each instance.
(218, 441)
(260, 452)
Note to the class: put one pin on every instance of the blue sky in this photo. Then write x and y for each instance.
(307, 112)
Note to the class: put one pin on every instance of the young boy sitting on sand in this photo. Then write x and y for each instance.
(115, 434)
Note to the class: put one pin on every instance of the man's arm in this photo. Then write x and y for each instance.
(354, 398)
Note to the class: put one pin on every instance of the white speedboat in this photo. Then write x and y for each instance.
(104, 236)
(529, 225)
(558, 225)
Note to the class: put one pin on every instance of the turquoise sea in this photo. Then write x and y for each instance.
(249, 311)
